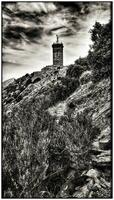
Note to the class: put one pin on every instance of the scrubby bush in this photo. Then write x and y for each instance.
(74, 71)
(79, 134)
(25, 147)
(62, 90)
(58, 92)
(83, 62)
(42, 150)
(78, 68)
(58, 160)
(86, 77)
(69, 149)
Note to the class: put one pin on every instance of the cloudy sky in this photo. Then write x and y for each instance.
(30, 28)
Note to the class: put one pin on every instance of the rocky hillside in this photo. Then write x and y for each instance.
(7, 82)
(57, 132)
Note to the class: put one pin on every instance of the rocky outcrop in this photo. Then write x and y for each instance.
(7, 82)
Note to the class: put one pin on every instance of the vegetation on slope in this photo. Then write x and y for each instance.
(46, 156)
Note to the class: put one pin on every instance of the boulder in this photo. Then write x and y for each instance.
(103, 159)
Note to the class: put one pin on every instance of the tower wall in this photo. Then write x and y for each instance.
(57, 54)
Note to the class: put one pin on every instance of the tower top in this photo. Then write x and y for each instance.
(57, 38)
(57, 43)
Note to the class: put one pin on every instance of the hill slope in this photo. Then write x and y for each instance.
(56, 134)
(7, 82)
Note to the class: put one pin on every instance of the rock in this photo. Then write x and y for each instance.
(83, 192)
(92, 173)
(103, 159)
(105, 133)
(7, 82)
(95, 186)
(105, 144)
(58, 110)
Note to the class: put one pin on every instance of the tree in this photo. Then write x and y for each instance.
(100, 56)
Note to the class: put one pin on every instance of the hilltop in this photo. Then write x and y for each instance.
(57, 128)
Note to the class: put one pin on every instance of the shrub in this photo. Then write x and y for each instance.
(79, 135)
(100, 55)
(86, 77)
(61, 91)
(69, 148)
(74, 71)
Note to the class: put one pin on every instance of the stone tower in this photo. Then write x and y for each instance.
(57, 53)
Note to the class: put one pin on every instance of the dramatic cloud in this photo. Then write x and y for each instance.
(29, 30)
(30, 7)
